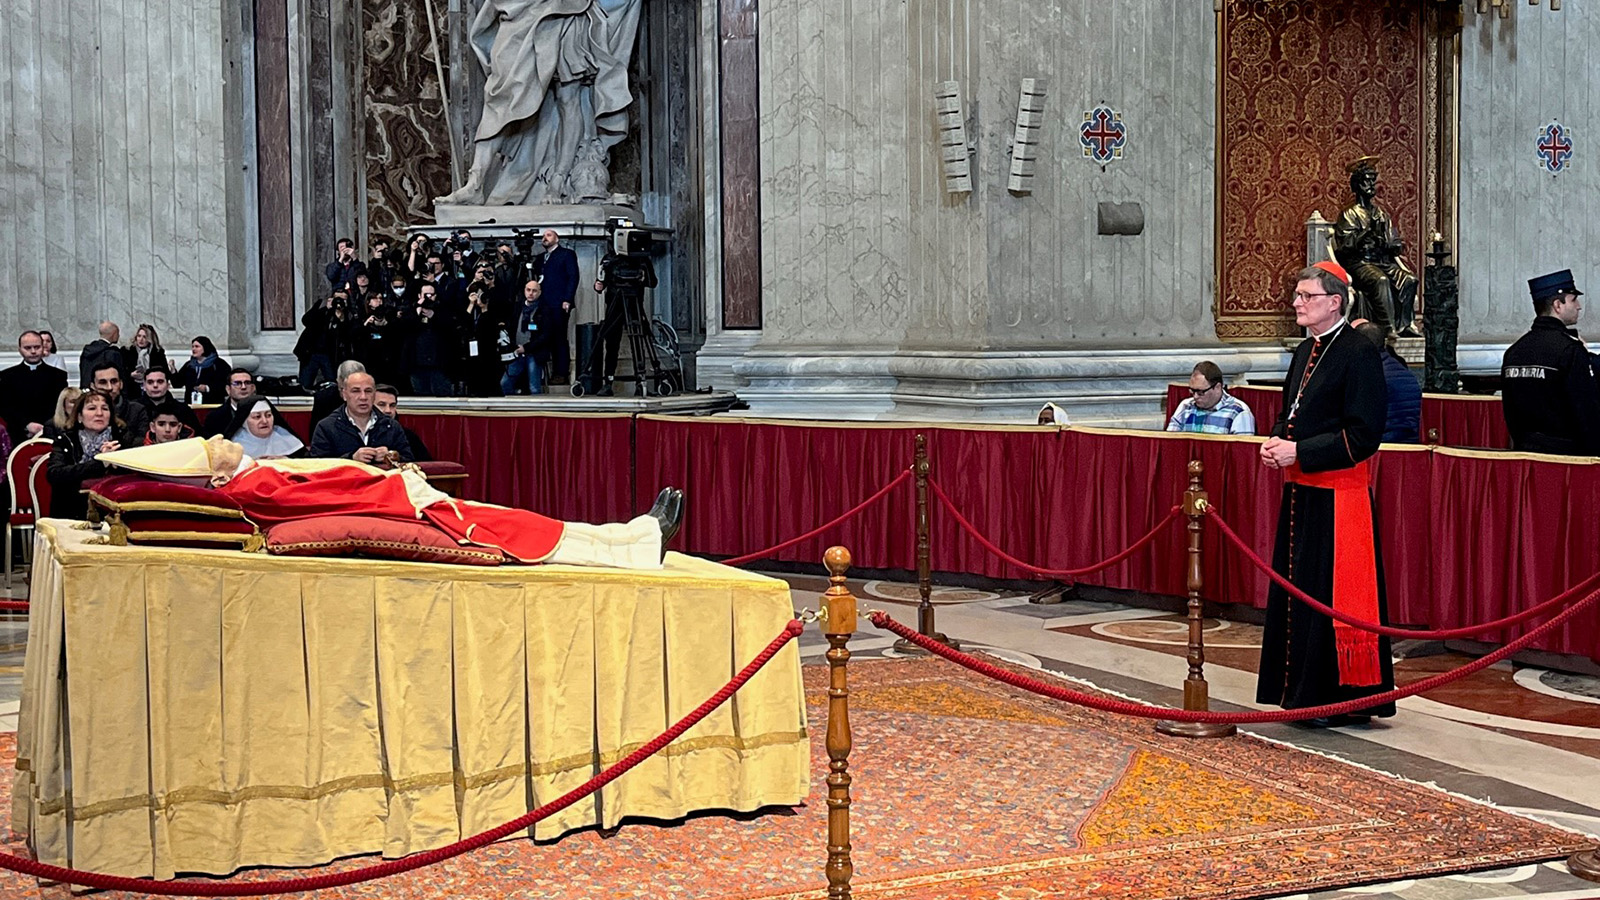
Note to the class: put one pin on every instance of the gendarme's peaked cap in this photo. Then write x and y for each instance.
(1552, 285)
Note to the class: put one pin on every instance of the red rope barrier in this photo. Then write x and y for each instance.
(418, 860)
(853, 511)
(1135, 547)
(19, 605)
(1442, 634)
(1148, 711)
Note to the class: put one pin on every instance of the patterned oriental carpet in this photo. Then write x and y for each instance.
(966, 788)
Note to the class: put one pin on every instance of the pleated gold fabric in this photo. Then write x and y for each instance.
(204, 710)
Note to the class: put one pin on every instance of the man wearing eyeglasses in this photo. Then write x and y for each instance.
(1327, 542)
(1210, 409)
(241, 387)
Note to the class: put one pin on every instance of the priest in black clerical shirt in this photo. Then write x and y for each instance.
(29, 389)
(1329, 429)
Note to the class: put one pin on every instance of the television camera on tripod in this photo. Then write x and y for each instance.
(625, 274)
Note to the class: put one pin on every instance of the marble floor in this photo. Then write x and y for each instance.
(1523, 738)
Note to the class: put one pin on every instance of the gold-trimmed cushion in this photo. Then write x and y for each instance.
(128, 494)
(372, 536)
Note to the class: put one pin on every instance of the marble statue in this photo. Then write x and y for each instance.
(1367, 244)
(556, 88)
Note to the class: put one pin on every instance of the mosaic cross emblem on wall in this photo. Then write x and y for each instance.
(1554, 147)
(1103, 134)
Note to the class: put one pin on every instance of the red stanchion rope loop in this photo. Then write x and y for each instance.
(418, 860)
(1442, 634)
(1148, 711)
(1135, 547)
(14, 605)
(848, 514)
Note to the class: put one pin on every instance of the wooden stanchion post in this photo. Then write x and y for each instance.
(1195, 690)
(840, 606)
(925, 623)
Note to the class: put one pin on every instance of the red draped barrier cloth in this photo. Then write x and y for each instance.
(569, 466)
(1461, 420)
(1467, 536)
(751, 484)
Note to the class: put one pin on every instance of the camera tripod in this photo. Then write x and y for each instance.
(653, 345)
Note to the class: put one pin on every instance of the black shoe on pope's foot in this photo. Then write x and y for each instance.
(668, 513)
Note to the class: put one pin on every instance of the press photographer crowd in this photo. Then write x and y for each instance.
(432, 318)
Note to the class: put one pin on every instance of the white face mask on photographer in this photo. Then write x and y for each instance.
(399, 290)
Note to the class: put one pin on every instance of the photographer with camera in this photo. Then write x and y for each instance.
(524, 371)
(377, 336)
(429, 331)
(481, 327)
(342, 271)
(415, 261)
(327, 336)
(381, 267)
(623, 278)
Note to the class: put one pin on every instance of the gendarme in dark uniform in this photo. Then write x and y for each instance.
(1550, 397)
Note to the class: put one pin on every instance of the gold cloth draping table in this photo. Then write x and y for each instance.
(206, 710)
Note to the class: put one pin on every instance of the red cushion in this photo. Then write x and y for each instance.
(441, 467)
(371, 536)
(174, 530)
(22, 518)
(138, 492)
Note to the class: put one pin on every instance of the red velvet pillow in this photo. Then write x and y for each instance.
(139, 493)
(141, 510)
(371, 536)
(435, 467)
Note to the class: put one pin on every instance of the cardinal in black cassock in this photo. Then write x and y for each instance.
(1327, 543)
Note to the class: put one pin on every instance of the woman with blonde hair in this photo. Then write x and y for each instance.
(145, 353)
(62, 420)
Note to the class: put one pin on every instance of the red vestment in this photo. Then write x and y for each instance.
(270, 495)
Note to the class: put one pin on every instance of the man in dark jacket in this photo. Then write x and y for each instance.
(28, 390)
(345, 267)
(107, 377)
(559, 281)
(358, 431)
(387, 401)
(157, 399)
(1403, 390)
(429, 338)
(99, 352)
(241, 387)
(1550, 398)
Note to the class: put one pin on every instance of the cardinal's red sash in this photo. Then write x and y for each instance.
(1355, 568)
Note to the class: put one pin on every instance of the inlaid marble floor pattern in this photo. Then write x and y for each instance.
(1523, 738)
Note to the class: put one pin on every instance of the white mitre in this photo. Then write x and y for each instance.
(200, 459)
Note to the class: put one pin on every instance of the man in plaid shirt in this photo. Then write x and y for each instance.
(1210, 409)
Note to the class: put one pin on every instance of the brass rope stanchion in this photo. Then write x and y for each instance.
(925, 623)
(839, 606)
(1196, 693)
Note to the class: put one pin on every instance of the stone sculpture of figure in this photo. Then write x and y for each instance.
(1366, 243)
(557, 81)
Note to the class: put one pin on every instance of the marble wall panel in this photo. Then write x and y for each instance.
(112, 189)
(1518, 221)
(861, 243)
(274, 167)
(740, 115)
(407, 137)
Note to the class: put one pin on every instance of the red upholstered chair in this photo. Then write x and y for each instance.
(19, 470)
